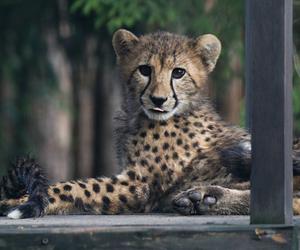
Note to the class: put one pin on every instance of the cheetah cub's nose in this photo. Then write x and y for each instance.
(157, 100)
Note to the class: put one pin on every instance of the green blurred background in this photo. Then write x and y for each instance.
(59, 87)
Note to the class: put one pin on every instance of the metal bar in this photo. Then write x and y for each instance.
(269, 85)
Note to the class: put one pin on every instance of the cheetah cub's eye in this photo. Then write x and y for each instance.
(145, 70)
(177, 73)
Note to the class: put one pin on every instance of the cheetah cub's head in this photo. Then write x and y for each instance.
(165, 73)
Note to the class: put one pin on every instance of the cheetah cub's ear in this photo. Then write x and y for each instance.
(209, 48)
(123, 42)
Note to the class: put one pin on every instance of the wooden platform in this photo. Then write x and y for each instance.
(145, 232)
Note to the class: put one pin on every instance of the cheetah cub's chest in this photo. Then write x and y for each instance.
(171, 145)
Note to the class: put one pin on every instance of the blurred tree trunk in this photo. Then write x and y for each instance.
(84, 74)
(7, 97)
(107, 100)
(235, 91)
(54, 117)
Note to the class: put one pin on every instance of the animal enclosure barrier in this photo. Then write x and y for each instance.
(269, 100)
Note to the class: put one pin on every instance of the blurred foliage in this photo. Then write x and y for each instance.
(26, 78)
(224, 18)
(173, 15)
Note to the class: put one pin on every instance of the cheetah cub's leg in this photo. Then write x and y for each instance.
(212, 200)
(125, 193)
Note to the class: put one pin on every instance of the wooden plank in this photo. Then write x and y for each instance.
(159, 231)
(156, 239)
(269, 81)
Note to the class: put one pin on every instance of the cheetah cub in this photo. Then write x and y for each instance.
(176, 152)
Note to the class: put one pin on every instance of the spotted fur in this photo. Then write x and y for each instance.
(176, 152)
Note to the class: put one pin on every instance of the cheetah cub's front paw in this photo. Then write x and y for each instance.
(199, 200)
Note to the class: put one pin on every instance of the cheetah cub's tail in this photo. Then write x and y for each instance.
(25, 179)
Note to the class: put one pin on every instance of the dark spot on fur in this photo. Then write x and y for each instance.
(191, 135)
(131, 175)
(175, 156)
(56, 190)
(195, 144)
(144, 179)
(147, 147)
(151, 125)
(211, 127)
(143, 134)
(132, 189)
(134, 142)
(207, 139)
(144, 162)
(67, 187)
(163, 123)
(114, 179)
(188, 169)
(51, 200)
(166, 134)
(179, 141)
(164, 167)
(166, 146)
(167, 157)
(109, 188)
(87, 193)
(96, 188)
(122, 198)
(81, 185)
(150, 169)
(181, 163)
(154, 149)
(198, 124)
(137, 153)
(186, 147)
(66, 198)
(203, 131)
(157, 159)
(188, 154)
(124, 183)
(106, 202)
(170, 172)
(156, 136)
(79, 204)
(185, 129)
(173, 134)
